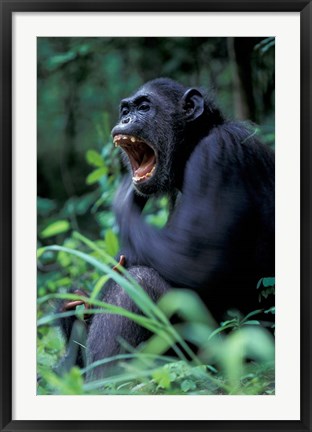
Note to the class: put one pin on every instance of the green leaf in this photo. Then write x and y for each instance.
(111, 243)
(162, 378)
(45, 206)
(188, 385)
(64, 259)
(255, 312)
(96, 175)
(98, 286)
(270, 310)
(55, 228)
(212, 369)
(251, 322)
(259, 283)
(225, 323)
(72, 382)
(40, 252)
(80, 311)
(220, 329)
(60, 59)
(268, 282)
(94, 158)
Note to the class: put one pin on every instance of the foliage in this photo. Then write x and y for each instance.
(80, 80)
(234, 358)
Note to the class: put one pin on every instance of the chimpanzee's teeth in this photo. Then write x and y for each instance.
(145, 176)
(118, 138)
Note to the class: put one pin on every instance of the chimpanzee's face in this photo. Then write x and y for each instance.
(146, 135)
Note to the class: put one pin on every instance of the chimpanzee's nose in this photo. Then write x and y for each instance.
(126, 120)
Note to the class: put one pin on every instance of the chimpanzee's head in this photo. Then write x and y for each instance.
(157, 129)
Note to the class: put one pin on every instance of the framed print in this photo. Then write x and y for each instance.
(155, 215)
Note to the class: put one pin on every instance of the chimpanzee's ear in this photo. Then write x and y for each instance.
(193, 104)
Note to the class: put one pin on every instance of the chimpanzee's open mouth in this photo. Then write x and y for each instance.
(141, 155)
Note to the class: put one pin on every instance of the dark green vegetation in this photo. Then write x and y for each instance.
(80, 82)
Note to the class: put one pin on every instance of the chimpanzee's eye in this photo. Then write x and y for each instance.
(124, 111)
(144, 107)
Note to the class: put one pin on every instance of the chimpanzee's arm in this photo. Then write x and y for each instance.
(196, 244)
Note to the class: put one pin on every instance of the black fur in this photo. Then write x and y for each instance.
(220, 239)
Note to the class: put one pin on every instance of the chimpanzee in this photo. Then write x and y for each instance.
(219, 240)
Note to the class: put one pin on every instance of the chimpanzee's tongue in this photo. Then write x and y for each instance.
(146, 165)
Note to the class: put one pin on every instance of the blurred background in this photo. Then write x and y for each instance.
(80, 84)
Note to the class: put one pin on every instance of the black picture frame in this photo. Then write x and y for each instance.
(8, 7)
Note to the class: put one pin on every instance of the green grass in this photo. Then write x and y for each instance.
(236, 357)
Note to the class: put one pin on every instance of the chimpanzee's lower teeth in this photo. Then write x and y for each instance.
(145, 176)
